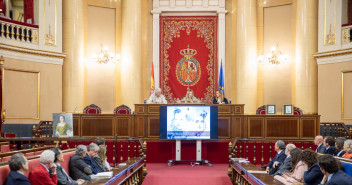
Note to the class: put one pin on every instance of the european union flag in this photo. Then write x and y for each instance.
(221, 80)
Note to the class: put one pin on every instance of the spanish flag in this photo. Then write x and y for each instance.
(152, 87)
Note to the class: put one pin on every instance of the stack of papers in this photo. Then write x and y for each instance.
(243, 161)
(102, 175)
(122, 164)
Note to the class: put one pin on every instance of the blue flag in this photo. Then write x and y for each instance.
(221, 80)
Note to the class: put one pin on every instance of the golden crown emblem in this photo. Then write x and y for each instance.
(188, 53)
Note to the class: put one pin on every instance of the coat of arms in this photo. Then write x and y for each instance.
(188, 68)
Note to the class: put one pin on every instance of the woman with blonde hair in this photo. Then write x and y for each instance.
(190, 96)
(219, 98)
(100, 158)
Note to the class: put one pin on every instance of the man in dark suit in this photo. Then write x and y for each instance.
(329, 143)
(62, 177)
(319, 142)
(273, 165)
(92, 151)
(45, 172)
(286, 165)
(332, 174)
(18, 165)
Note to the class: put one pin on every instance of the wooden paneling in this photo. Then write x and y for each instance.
(76, 126)
(256, 127)
(153, 126)
(224, 127)
(97, 126)
(308, 126)
(153, 109)
(140, 108)
(282, 127)
(237, 127)
(123, 126)
(139, 126)
(223, 109)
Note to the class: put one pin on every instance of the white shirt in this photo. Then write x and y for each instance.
(154, 99)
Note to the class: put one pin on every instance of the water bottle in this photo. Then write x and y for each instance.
(145, 101)
(230, 101)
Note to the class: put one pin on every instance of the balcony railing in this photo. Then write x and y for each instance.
(346, 33)
(18, 31)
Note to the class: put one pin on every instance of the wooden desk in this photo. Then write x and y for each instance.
(245, 173)
(232, 123)
(130, 174)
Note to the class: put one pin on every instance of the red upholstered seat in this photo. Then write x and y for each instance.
(5, 148)
(29, 154)
(261, 110)
(4, 172)
(9, 135)
(67, 157)
(92, 109)
(297, 111)
(6, 158)
(122, 109)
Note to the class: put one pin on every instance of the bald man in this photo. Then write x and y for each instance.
(319, 142)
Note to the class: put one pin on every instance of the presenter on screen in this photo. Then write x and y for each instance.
(157, 97)
(190, 97)
(219, 98)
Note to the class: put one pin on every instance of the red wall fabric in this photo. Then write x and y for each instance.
(28, 11)
(179, 73)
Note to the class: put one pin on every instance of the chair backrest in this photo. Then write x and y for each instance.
(261, 110)
(297, 111)
(122, 109)
(9, 135)
(92, 109)
(347, 167)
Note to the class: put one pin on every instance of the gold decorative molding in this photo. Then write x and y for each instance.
(342, 96)
(330, 38)
(32, 51)
(50, 39)
(333, 53)
(38, 95)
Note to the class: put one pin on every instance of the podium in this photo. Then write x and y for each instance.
(198, 160)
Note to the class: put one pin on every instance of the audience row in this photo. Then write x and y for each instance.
(87, 161)
(291, 165)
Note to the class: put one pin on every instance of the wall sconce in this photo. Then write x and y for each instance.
(105, 56)
(275, 57)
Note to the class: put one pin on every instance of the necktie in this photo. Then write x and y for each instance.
(68, 177)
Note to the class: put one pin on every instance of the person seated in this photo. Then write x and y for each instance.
(92, 151)
(339, 146)
(45, 172)
(286, 165)
(190, 97)
(219, 98)
(78, 168)
(319, 142)
(313, 175)
(298, 169)
(347, 148)
(99, 142)
(18, 165)
(62, 176)
(157, 97)
(332, 175)
(329, 143)
(100, 159)
(273, 165)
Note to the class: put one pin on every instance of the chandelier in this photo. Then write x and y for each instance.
(105, 56)
(274, 57)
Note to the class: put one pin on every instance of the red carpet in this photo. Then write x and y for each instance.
(185, 174)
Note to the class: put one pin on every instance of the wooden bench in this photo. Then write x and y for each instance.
(27, 152)
(32, 163)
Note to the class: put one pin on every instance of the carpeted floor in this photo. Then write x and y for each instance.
(185, 174)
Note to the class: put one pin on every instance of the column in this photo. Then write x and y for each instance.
(221, 41)
(73, 46)
(131, 79)
(306, 45)
(246, 58)
(156, 36)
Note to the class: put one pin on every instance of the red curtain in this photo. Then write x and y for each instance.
(28, 11)
(1, 121)
(197, 38)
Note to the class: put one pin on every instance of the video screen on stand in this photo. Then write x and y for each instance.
(188, 122)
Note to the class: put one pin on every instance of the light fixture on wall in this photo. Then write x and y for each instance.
(274, 57)
(105, 56)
